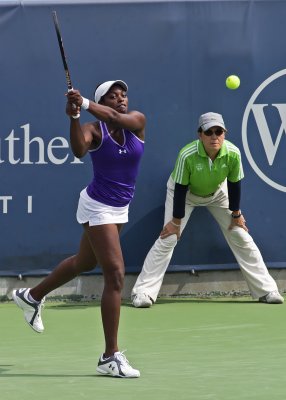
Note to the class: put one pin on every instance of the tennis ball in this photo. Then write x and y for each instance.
(232, 82)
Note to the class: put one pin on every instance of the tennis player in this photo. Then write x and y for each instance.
(208, 173)
(115, 142)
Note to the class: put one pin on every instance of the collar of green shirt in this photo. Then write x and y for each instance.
(201, 150)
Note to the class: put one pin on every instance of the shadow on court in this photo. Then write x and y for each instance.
(72, 306)
(2, 369)
(224, 301)
(197, 301)
(50, 376)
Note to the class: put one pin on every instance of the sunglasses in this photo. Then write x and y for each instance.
(217, 132)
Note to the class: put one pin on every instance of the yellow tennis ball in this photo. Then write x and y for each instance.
(232, 82)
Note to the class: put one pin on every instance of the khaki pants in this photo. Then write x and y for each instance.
(240, 242)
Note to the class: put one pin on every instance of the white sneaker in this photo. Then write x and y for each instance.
(142, 300)
(272, 298)
(32, 311)
(117, 366)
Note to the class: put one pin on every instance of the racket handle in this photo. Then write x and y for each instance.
(74, 107)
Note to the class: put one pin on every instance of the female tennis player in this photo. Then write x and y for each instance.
(115, 142)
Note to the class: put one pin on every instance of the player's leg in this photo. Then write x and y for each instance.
(67, 270)
(31, 300)
(247, 254)
(149, 281)
(105, 242)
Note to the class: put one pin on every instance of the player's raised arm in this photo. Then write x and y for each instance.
(111, 106)
(81, 137)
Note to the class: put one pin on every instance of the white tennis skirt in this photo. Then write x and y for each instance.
(96, 213)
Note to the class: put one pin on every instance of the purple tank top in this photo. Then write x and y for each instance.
(115, 168)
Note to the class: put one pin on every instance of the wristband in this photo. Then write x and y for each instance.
(85, 103)
(176, 225)
(236, 216)
(76, 116)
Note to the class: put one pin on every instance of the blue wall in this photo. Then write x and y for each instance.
(175, 57)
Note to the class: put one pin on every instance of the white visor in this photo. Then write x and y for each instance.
(104, 88)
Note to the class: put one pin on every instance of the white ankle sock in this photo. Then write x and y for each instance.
(32, 299)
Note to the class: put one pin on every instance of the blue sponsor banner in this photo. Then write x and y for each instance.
(175, 57)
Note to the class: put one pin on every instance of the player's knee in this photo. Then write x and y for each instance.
(114, 279)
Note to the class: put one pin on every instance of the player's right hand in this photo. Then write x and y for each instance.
(74, 97)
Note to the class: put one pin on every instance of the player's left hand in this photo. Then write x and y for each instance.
(238, 222)
(72, 110)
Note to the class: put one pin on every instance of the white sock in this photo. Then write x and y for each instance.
(32, 299)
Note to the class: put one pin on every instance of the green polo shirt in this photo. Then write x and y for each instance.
(203, 176)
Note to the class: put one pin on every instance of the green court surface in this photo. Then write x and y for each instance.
(209, 349)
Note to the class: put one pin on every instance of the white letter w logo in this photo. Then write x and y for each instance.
(269, 147)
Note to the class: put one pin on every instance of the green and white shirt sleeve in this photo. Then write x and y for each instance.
(181, 172)
(236, 169)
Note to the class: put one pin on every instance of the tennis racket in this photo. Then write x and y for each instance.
(61, 46)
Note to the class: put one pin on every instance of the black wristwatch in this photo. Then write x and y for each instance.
(236, 215)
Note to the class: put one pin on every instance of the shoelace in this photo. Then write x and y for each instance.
(122, 357)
